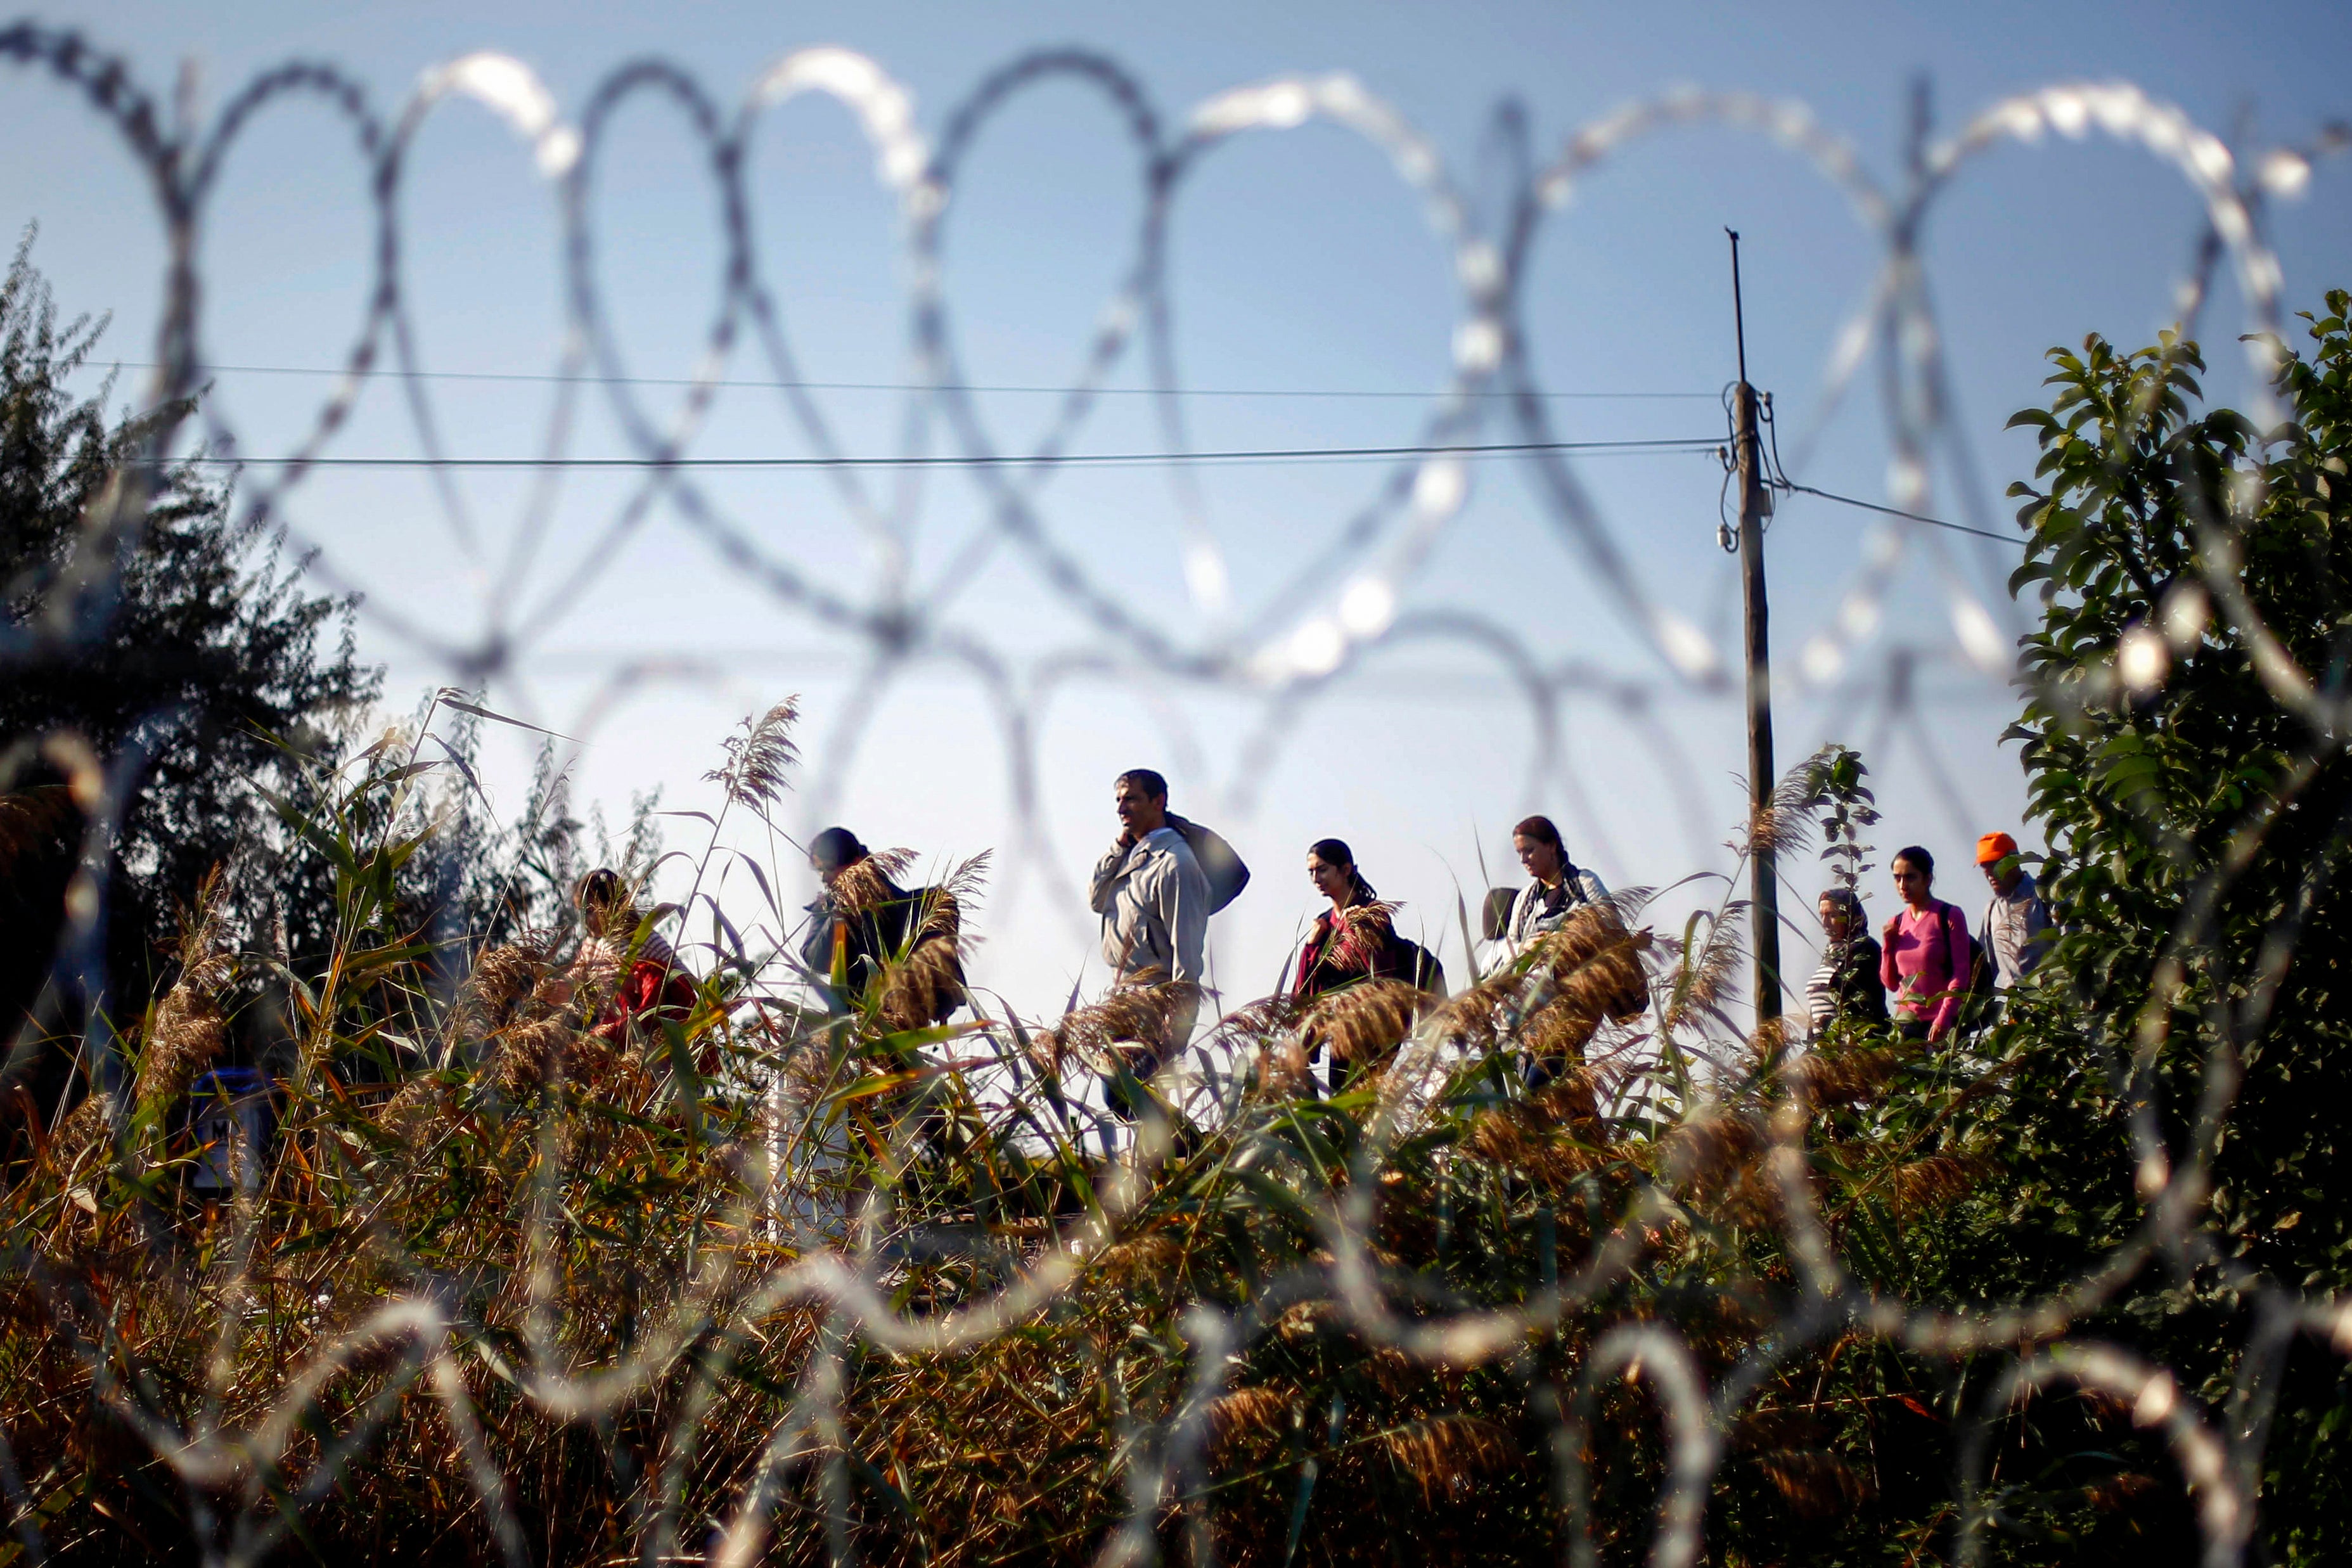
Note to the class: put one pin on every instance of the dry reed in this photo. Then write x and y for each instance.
(1813, 1483)
(1362, 1024)
(1930, 1185)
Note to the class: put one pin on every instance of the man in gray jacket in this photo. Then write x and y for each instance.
(2017, 928)
(1154, 902)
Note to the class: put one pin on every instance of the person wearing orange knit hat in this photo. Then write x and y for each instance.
(2017, 928)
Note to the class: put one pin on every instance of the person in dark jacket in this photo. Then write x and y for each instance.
(866, 931)
(1353, 940)
(1847, 984)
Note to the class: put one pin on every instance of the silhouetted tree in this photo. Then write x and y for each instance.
(184, 631)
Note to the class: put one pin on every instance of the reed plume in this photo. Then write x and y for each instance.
(1595, 938)
(1154, 1259)
(964, 886)
(1928, 1185)
(1707, 1155)
(504, 980)
(1360, 935)
(1845, 1075)
(1260, 1024)
(190, 1030)
(925, 982)
(1246, 1420)
(1265, 1032)
(872, 882)
(1772, 1041)
(1135, 1014)
(1592, 966)
(1552, 1136)
(40, 834)
(414, 1110)
(1813, 1483)
(1707, 974)
(2109, 1494)
(1362, 1023)
(1762, 1430)
(1548, 1152)
(1473, 1019)
(1786, 823)
(925, 985)
(534, 1054)
(759, 760)
(1446, 1456)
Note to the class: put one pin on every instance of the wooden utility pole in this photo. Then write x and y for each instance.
(1764, 894)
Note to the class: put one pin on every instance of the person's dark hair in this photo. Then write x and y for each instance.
(600, 890)
(1153, 786)
(1541, 830)
(1917, 857)
(1849, 900)
(836, 848)
(607, 901)
(1334, 852)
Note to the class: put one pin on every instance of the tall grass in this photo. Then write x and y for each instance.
(764, 1283)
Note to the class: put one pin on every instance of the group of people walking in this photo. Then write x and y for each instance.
(1155, 888)
(1924, 957)
(871, 941)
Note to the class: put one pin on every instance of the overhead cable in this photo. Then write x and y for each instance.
(1908, 516)
(587, 379)
(979, 460)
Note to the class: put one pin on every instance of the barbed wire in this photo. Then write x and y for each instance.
(1344, 603)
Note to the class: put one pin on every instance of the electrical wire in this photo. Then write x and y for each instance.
(395, 373)
(1906, 516)
(1665, 445)
(1776, 478)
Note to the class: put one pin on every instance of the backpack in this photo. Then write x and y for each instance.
(1418, 964)
(1226, 874)
(1983, 975)
(1494, 914)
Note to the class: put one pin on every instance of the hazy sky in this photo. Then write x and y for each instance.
(1313, 306)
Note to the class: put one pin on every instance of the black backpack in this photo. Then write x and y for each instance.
(1226, 874)
(1416, 963)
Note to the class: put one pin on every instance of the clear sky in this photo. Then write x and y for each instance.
(1313, 307)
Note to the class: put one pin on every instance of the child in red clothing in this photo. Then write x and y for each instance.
(1924, 952)
(647, 982)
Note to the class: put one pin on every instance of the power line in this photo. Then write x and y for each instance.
(958, 460)
(394, 373)
(1908, 516)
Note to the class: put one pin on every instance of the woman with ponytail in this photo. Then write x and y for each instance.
(1925, 956)
(1351, 941)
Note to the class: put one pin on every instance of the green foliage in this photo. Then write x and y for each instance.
(2200, 827)
(173, 622)
(602, 1208)
(1832, 790)
(667, 1212)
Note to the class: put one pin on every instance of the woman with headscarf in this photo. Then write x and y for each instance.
(1353, 940)
(866, 930)
(1846, 985)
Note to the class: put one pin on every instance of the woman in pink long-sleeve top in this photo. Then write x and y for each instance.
(1925, 956)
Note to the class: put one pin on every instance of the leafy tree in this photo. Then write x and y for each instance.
(188, 632)
(2200, 829)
